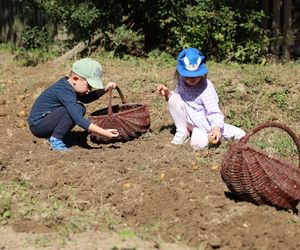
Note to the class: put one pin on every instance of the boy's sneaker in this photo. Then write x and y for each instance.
(57, 144)
(180, 138)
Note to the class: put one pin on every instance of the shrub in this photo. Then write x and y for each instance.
(125, 41)
(33, 38)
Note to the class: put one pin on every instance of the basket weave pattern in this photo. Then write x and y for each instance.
(130, 119)
(254, 176)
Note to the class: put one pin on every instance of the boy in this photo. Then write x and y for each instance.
(59, 108)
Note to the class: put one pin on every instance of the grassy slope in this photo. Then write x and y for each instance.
(249, 95)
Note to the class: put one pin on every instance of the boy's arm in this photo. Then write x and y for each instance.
(96, 94)
(104, 132)
(101, 92)
(90, 97)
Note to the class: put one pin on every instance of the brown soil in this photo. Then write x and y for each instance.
(176, 193)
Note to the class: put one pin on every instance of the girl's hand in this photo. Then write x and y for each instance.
(214, 136)
(110, 85)
(162, 90)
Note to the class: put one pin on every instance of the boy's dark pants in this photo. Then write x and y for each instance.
(57, 124)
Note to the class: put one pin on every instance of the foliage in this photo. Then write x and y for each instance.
(224, 30)
(33, 38)
(79, 18)
(252, 46)
(10, 47)
(210, 30)
(124, 40)
(161, 57)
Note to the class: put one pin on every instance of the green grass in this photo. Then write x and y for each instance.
(33, 58)
(17, 202)
(9, 47)
(126, 234)
(276, 142)
(2, 88)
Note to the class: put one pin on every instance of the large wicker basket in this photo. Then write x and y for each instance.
(254, 176)
(130, 119)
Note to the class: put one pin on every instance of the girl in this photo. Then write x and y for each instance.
(194, 104)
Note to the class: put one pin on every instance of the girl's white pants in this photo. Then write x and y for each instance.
(199, 134)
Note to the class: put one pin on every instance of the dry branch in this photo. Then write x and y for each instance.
(79, 48)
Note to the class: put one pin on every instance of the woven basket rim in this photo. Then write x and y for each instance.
(140, 105)
(244, 146)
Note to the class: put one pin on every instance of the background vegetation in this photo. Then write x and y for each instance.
(224, 30)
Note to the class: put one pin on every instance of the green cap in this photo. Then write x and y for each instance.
(89, 69)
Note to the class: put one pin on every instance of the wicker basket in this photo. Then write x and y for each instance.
(130, 119)
(254, 176)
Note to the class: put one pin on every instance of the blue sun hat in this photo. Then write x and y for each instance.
(191, 63)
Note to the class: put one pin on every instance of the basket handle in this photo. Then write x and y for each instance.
(110, 98)
(273, 124)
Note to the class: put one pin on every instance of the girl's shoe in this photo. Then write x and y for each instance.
(180, 138)
(57, 144)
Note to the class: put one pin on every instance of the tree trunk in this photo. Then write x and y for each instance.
(265, 6)
(7, 13)
(287, 31)
(276, 34)
(79, 48)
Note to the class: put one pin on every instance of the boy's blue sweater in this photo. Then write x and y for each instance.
(61, 94)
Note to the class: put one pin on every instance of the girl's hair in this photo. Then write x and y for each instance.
(176, 75)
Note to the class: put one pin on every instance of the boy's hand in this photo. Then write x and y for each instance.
(110, 85)
(112, 133)
(162, 90)
(214, 136)
(103, 132)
